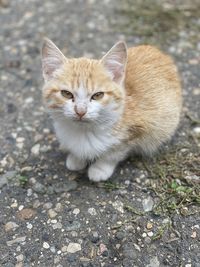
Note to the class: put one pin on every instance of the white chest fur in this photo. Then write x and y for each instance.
(84, 141)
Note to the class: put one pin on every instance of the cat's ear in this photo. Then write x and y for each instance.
(52, 59)
(115, 61)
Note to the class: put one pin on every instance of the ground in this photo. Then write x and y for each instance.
(148, 213)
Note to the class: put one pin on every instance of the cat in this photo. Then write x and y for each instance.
(129, 100)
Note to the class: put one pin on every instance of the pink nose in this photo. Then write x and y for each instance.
(80, 112)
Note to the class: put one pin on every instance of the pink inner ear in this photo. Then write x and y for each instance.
(115, 69)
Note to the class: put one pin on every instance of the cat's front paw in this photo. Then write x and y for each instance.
(75, 164)
(100, 171)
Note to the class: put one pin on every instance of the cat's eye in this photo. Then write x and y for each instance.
(97, 96)
(67, 94)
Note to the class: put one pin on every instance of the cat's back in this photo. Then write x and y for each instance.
(148, 68)
(153, 98)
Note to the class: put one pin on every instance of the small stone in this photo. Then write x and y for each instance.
(94, 237)
(54, 221)
(92, 211)
(72, 226)
(36, 204)
(26, 214)
(16, 240)
(21, 207)
(29, 192)
(20, 139)
(35, 150)
(10, 226)
(58, 207)
(188, 265)
(73, 247)
(196, 131)
(65, 187)
(194, 234)
(47, 205)
(29, 226)
(14, 205)
(57, 225)
(46, 245)
(118, 205)
(144, 235)
(53, 249)
(26, 169)
(39, 188)
(32, 181)
(148, 204)
(149, 225)
(147, 240)
(52, 214)
(4, 179)
(102, 249)
(20, 258)
(64, 249)
(154, 262)
(150, 234)
(76, 211)
(196, 91)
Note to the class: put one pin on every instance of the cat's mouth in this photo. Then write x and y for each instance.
(81, 120)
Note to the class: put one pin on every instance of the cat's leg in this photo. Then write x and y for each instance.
(75, 164)
(104, 167)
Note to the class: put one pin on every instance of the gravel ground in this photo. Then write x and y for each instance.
(52, 217)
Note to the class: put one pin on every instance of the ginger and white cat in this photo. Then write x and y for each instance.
(130, 100)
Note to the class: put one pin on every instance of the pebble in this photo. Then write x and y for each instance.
(57, 225)
(35, 150)
(26, 214)
(196, 131)
(36, 204)
(46, 245)
(148, 204)
(72, 226)
(65, 187)
(29, 226)
(29, 192)
(64, 249)
(76, 211)
(144, 235)
(94, 237)
(194, 234)
(73, 248)
(102, 249)
(47, 205)
(118, 205)
(14, 205)
(39, 188)
(150, 234)
(154, 262)
(16, 240)
(20, 258)
(10, 226)
(92, 211)
(4, 179)
(58, 207)
(149, 225)
(52, 214)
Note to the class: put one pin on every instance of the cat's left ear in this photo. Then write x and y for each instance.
(115, 61)
(52, 59)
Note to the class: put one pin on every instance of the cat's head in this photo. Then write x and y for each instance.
(84, 90)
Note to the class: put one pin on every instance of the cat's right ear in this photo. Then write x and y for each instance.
(115, 61)
(52, 59)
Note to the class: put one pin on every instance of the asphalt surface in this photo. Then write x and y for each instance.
(52, 217)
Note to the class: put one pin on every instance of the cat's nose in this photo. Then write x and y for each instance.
(80, 111)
